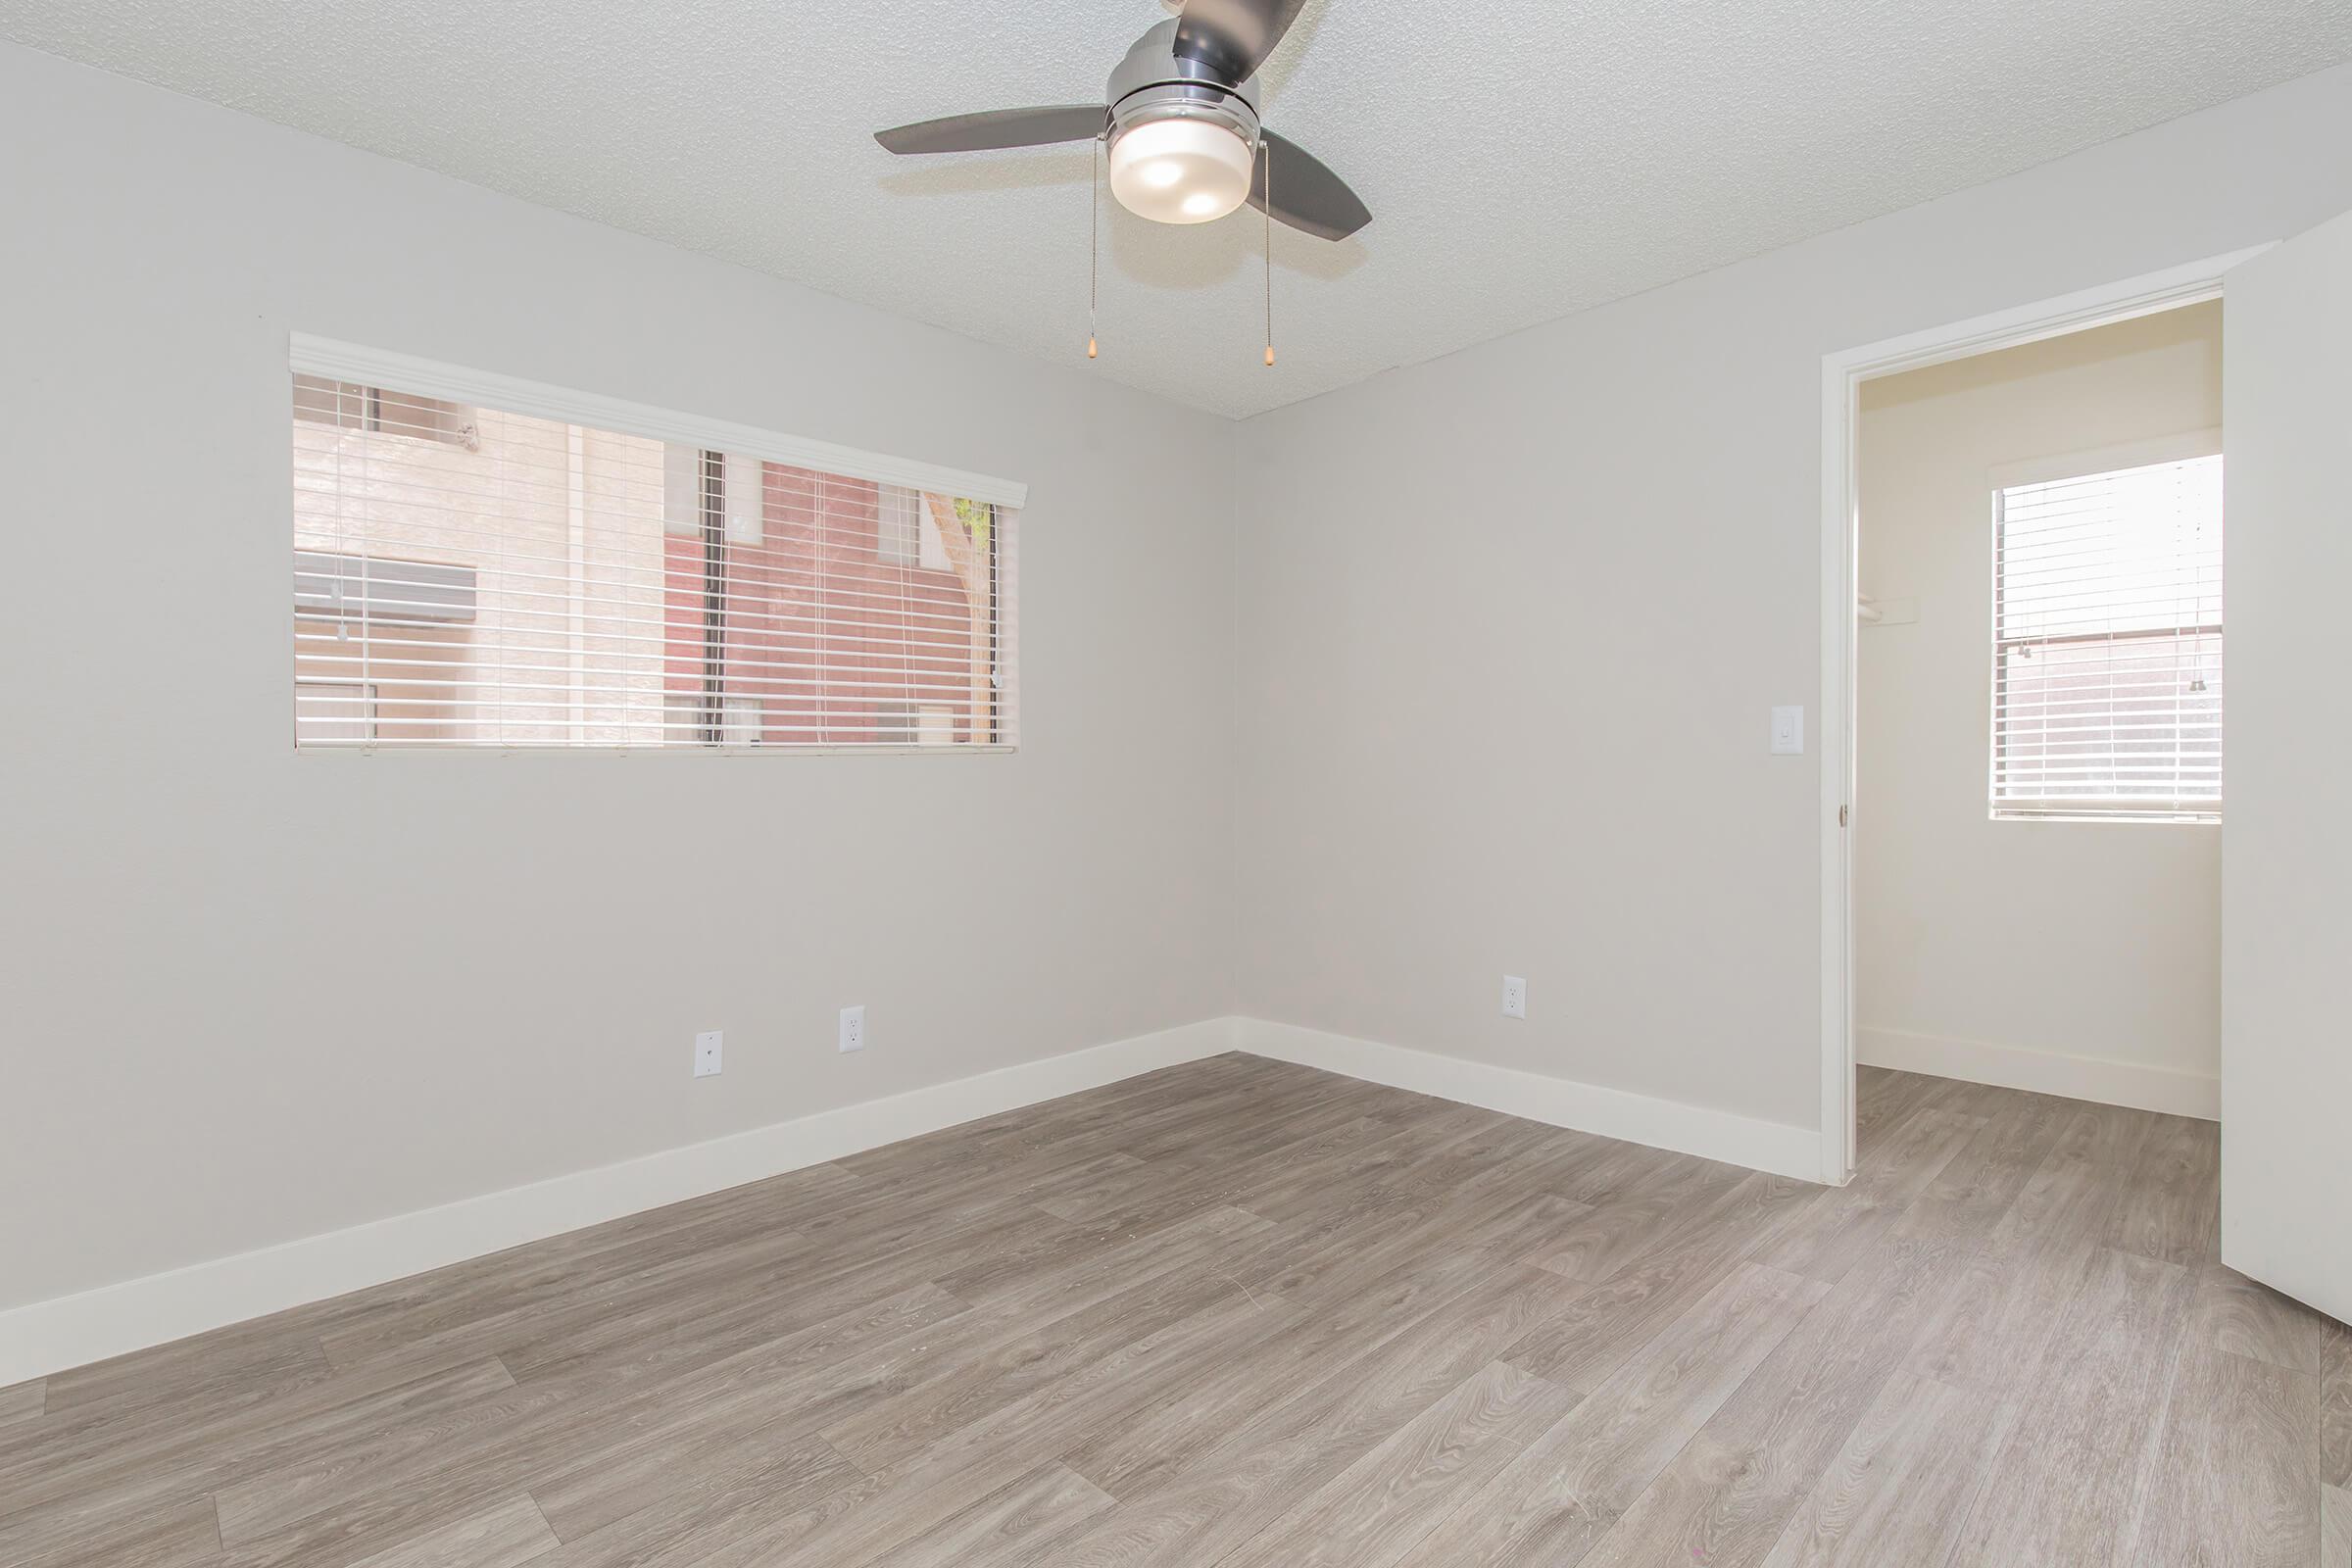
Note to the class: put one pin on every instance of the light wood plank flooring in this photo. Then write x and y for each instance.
(1244, 1314)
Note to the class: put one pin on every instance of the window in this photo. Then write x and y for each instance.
(694, 482)
(334, 711)
(2107, 645)
(899, 526)
(907, 534)
(916, 724)
(742, 722)
(340, 586)
(550, 583)
(351, 407)
(686, 720)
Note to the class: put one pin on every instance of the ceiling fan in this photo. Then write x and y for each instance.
(1180, 115)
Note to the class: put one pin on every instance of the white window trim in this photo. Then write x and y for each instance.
(349, 362)
(2080, 811)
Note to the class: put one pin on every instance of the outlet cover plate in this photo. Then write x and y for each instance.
(707, 1048)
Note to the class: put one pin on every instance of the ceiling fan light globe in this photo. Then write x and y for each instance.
(1211, 168)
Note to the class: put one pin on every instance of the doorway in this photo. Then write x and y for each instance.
(2039, 684)
(1845, 377)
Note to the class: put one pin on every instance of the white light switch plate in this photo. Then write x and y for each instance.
(706, 1048)
(1515, 997)
(852, 1028)
(1787, 732)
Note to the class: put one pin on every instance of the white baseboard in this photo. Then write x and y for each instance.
(2044, 1072)
(70, 1331)
(1767, 1146)
(47, 1336)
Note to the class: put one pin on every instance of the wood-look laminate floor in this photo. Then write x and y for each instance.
(1244, 1314)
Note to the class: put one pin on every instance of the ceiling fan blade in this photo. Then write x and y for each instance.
(1233, 36)
(995, 127)
(1306, 195)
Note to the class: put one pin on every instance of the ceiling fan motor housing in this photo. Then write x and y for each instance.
(1154, 82)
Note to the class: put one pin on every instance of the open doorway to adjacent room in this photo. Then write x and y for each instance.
(2038, 688)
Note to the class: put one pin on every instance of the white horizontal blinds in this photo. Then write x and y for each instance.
(468, 577)
(2107, 657)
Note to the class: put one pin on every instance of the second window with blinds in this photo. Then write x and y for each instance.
(2107, 645)
(469, 578)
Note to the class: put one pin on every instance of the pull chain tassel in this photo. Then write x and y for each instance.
(1267, 153)
(1094, 225)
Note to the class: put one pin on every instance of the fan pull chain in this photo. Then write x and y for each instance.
(1094, 227)
(1267, 153)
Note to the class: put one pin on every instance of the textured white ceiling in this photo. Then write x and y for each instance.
(1523, 159)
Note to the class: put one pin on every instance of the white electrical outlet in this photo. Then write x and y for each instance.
(707, 1046)
(1515, 997)
(852, 1028)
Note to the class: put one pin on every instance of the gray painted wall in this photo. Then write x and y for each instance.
(1511, 623)
(254, 995)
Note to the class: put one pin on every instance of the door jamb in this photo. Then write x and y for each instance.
(1841, 376)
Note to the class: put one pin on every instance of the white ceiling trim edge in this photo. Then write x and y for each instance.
(406, 372)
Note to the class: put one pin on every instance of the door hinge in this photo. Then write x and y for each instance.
(1841, 810)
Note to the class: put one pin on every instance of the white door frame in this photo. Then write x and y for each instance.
(1841, 376)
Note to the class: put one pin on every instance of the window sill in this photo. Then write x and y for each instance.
(2117, 817)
